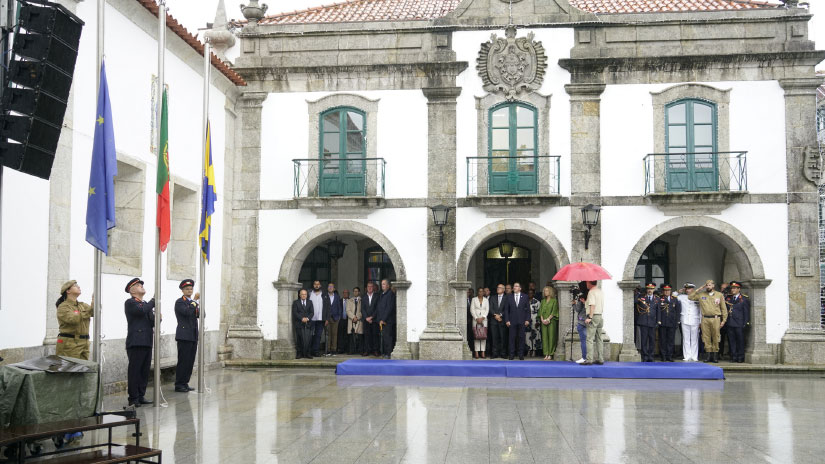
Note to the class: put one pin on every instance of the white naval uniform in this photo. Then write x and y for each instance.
(691, 318)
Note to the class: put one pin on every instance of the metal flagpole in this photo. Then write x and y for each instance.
(161, 53)
(207, 52)
(97, 355)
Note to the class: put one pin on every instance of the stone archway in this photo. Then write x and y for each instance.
(521, 226)
(288, 286)
(744, 255)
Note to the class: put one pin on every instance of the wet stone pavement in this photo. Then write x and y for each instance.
(302, 416)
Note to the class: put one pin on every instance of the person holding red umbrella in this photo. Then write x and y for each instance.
(594, 322)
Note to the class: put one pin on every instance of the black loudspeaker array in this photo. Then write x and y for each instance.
(43, 57)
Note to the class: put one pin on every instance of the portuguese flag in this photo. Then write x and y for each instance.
(163, 220)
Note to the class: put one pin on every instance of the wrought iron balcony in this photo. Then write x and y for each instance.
(352, 177)
(723, 171)
(512, 175)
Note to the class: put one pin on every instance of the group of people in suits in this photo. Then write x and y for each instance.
(508, 315)
(140, 319)
(704, 310)
(370, 320)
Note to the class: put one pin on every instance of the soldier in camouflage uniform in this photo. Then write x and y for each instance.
(73, 318)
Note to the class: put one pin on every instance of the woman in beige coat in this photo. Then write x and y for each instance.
(355, 326)
(479, 309)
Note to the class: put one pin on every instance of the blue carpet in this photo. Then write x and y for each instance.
(530, 369)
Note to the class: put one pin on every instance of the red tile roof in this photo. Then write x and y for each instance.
(192, 41)
(367, 10)
(667, 6)
(422, 10)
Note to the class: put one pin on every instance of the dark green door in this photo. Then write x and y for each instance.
(513, 164)
(343, 149)
(692, 163)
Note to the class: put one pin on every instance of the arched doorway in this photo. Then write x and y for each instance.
(480, 263)
(309, 256)
(697, 248)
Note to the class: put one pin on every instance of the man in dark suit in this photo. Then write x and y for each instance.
(647, 321)
(517, 318)
(187, 312)
(739, 316)
(302, 312)
(333, 312)
(370, 310)
(669, 315)
(498, 331)
(386, 317)
(140, 317)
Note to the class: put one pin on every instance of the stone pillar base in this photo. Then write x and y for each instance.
(224, 352)
(402, 350)
(629, 354)
(247, 342)
(764, 356)
(442, 343)
(803, 347)
(282, 349)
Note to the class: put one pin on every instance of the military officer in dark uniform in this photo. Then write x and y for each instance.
(647, 321)
(187, 312)
(739, 316)
(140, 317)
(668, 315)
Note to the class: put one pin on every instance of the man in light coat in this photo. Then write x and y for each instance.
(355, 325)
(690, 324)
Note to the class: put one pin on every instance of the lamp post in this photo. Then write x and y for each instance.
(440, 215)
(590, 218)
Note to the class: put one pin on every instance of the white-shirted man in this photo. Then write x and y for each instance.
(691, 318)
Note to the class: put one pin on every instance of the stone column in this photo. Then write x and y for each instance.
(442, 338)
(628, 352)
(566, 337)
(402, 345)
(284, 346)
(757, 350)
(244, 334)
(804, 339)
(585, 153)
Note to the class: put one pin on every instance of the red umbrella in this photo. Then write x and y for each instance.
(582, 271)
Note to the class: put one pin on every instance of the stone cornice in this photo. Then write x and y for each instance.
(252, 99)
(581, 67)
(584, 91)
(441, 94)
(800, 85)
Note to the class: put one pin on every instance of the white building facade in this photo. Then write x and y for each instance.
(690, 130)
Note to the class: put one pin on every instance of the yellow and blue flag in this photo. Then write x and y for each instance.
(208, 197)
(100, 209)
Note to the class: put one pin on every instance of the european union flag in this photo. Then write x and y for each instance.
(208, 197)
(100, 210)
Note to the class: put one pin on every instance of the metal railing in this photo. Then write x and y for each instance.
(722, 171)
(353, 177)
(513, 175)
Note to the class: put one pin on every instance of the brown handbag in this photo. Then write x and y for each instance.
(480, 332)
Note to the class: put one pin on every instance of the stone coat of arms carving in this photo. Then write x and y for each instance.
(511, 65)
(813, 164)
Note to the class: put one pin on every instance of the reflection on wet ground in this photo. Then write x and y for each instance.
(300, 416)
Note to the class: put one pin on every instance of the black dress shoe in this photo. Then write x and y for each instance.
(134, 403)
(144, 401)
(182, 389)
(190, 388)
(511, 358)
(598, 362)
(521, 358)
